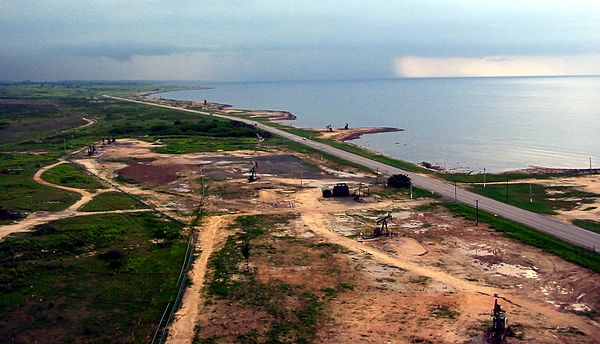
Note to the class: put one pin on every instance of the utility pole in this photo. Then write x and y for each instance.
(411, 193)
(590, 164)
(507, 188)
(530, 194)
(455, 190)
(477, 212)
(484, 177)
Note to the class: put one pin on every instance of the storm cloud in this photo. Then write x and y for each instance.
(299, 40)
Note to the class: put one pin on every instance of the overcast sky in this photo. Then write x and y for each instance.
(295, 40)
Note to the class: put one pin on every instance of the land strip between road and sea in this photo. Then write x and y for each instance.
(545, 224)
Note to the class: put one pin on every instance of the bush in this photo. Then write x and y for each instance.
(399, 181)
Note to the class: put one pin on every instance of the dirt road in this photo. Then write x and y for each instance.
(42, 217)
(182, 329)
(545, 224)
(316, 220)
(90, 121)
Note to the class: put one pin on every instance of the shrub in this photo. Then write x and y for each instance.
(399, 181)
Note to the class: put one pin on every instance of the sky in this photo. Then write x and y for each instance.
(264, 40)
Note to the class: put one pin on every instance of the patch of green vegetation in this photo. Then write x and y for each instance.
(294, 322)
(341, 163)
(530, 236)
(20, 193)
(104, 278)
(494, 177)
(417, 192)
(545, 200)
(444, 312)
(112, 200)
(590, 225)
(348, 147)
(183, 145)
(427, 207)
(418, 340)
(71, 176)
(422, 280)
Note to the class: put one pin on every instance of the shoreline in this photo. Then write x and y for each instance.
(345, 135)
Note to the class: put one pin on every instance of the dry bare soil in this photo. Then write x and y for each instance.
(312, 277)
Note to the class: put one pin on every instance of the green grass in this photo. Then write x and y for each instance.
(530, 236)
(544, 200)
(317, 154)
(112, 200)
(205, 144)
(348, 147)
(18, 191)
(518, 195)
(494, 177)
(417, 192)
(92, 278)
(590, 225)
(71, 176)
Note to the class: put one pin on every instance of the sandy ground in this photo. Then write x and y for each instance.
(182, 329)
(342, 134)
(463, 265)
(433, 262)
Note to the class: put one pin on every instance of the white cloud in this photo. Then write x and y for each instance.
(515, 65)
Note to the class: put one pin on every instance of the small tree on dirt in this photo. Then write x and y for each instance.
(246, 252)
(399, 181)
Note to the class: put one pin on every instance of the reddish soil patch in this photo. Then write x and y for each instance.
(150, 173)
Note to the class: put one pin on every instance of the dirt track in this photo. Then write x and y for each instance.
(90, 121)
(182, 329)
(43, 217)
(315, 219)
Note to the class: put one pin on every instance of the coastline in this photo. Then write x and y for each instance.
(345, 135)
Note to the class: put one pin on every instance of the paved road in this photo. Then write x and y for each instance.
(543, 223)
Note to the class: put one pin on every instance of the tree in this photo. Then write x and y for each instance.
(399, 181)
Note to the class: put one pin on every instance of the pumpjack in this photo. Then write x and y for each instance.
(91, 150)
(499, 327)
(383, 221)
(329, 128)
(380, 231)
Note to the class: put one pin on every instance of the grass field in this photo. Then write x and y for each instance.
(530, 236)
(590, 225)
(72, 176)
(545, 200)
(91, 279)
(20, 193)
(205, 144)
(112, 200)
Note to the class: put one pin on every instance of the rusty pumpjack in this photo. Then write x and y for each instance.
(499, 327)
(383, 230)
(380, 231)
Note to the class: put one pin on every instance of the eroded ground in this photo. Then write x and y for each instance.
(311, 274)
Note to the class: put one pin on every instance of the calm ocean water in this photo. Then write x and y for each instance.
(466, 123)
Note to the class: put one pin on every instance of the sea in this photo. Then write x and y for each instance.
(461, 124)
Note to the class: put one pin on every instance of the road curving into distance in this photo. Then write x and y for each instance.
(542, 223)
